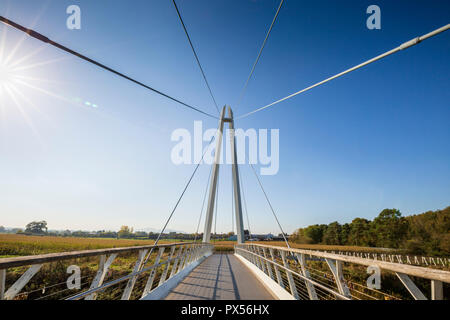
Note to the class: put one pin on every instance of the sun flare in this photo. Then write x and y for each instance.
(6, 78)
(19, 80)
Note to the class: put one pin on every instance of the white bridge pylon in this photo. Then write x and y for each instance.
(215, 175)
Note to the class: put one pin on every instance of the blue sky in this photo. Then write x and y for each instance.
(376, 138)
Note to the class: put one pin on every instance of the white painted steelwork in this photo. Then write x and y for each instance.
(187, 257)
(292, 274)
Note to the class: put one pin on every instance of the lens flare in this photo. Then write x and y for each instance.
(17, 77)
(6, 77)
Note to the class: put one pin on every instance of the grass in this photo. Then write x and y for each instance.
(22, 245)
(221, 245)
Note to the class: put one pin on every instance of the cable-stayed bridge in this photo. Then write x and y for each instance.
(253, 272)
(193, 270)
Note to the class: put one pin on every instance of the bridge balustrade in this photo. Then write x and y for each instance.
(317, 275)
(116, 273)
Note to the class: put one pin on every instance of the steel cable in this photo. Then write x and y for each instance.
(44, 39)
(195, 55)
(381, 56)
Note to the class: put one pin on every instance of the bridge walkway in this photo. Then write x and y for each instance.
(220, 277)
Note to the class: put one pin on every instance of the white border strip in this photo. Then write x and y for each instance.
(273, 287)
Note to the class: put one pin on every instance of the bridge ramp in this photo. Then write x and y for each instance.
(220, 277)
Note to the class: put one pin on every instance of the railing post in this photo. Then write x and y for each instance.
(2, 283)
(269, 268)
(277, 271)
(193, 253)
(130, 285)
(263, 262)
(336, 270)
(437, 290)
(21, 282)
(410, 286)
(188, 254)
(250, 256)
(151, 278)
(258, 260)
(289, 275)
(311, 290)
(166, 268)
(255, 258)
(175, 264)
(183, 259)
(101, 273)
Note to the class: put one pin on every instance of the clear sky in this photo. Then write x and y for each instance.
(376, 138)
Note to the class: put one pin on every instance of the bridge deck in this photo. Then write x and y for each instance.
(220, 277)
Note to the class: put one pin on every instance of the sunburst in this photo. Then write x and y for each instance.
(17, 79)
(6, 78)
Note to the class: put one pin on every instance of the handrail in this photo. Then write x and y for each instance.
(187, 254)
(50, 257)
(271, 266)
(116, 281)
(422, 272)
(337, 294)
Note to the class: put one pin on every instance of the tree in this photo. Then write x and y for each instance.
(315, 232)
(345, 233)
(298, 237)
(125, 232)
(359, 234)
(445, 244)
(36, 227)
(430, 232)
(332, 234)
(390, 228)
(2, 229)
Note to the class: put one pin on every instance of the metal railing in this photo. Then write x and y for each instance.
(417, 260)
(316, 275)
(117, 273)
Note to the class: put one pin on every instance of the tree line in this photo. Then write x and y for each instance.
(425, 233)
(125, 232)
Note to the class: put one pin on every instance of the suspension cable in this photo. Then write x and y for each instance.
(203, 205)
(259, 54)
(44, 39)
(270, 205)
(178, 202)
(403, 46)
(195, 54)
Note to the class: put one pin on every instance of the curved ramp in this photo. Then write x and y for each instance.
(220, 277)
